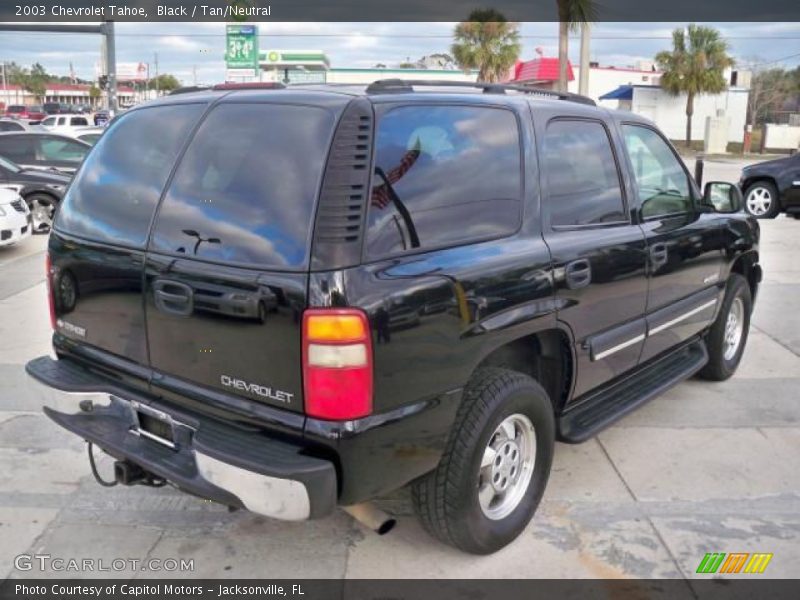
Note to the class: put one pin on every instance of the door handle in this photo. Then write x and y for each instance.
(658, 254)
(173, 297)
(578, 273)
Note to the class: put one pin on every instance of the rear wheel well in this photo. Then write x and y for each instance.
(545, 356)
(743, 265)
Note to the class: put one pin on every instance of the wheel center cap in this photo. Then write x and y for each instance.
(506, 467)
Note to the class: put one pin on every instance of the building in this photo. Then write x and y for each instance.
(65, 93)
(637, 89)
(669, 112)
(313, 66)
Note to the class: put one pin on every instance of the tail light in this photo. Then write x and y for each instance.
(337, 363)
(50, 290)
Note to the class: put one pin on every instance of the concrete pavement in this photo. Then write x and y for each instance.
(704, 468)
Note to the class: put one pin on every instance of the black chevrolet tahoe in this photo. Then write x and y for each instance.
(289, 300)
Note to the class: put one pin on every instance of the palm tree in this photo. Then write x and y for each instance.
(571, 13)
(694, 66)
(487, 42)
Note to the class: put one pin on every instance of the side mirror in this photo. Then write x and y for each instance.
(722, 196)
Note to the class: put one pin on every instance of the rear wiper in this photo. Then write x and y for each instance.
(401, 208)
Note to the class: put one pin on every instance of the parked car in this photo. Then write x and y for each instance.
(67, 124)
(58, 108)
(772, 187)
(7, 124)
(583, 283)
(41, 190)
(36, 150)
(15, 220)
(28, 113)
(101, 118)
(90, 134)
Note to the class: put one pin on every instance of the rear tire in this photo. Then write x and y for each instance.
(728, 335)
(761, 200)
(504, 433)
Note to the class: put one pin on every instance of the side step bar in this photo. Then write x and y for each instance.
(600, 410)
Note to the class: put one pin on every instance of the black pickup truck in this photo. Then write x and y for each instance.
(290, 300)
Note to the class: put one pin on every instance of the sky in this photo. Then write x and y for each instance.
(196, 50)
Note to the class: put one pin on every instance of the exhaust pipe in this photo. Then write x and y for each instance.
(371, 516)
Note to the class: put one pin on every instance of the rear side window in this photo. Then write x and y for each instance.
(246, 188)
(77, 121)
(580, 171)
(114, 194)
(444, 175)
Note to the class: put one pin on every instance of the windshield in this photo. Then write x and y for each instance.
(8, 165)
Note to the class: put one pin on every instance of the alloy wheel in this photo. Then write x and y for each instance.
(759, 201)
(507, 466)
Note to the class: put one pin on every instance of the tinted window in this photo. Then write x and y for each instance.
(62, 120)
(113, 196)
(246, 187)
(60, 149)
(79, 121)
(583, 185)
(10, 126)
(18, 148)
(662, 183)
(444, 175)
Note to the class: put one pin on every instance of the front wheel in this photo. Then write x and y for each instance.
(728, 335)
(761, 200)
(495, 466)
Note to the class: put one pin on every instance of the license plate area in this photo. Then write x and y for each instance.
(154, 425)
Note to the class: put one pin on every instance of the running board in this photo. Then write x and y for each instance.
(602, 409)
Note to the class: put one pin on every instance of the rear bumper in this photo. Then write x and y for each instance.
(224, 463)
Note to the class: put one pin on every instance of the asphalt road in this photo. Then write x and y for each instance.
(705, 468)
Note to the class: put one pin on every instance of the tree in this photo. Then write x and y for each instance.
(165, 81)
(487, 42)
(94, 94)
(694, 66)
(571, 13)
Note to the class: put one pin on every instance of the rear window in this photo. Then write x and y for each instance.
(116, 191)
(245, 190)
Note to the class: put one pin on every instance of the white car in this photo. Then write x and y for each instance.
(15, 218)
(66, 124)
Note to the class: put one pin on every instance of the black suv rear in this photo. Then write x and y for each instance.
(293, 299)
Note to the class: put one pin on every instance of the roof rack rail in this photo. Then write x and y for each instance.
(385, 86)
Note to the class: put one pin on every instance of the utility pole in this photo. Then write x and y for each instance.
(155, 56)
(194, 74)
(5, 85)
(111, 65)
(583, 76)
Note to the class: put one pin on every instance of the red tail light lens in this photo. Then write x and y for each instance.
(337, 363)
(50, 290)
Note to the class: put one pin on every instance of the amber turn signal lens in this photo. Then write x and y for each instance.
(334, 328)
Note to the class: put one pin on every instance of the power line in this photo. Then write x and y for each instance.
(411, 35)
